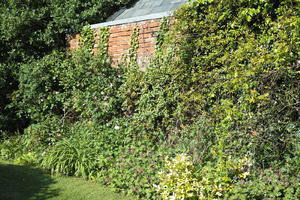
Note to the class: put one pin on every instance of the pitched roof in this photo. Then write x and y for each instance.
(143, 10)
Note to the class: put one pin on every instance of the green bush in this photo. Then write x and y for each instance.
(81, 86)
(90, 87)
(39, 87)
(8, 148)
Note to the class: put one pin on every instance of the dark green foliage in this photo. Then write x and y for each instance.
(81, 86)
(32, 29)
(7, 116)
(39, 87)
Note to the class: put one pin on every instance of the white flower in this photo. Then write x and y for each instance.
(117, 127)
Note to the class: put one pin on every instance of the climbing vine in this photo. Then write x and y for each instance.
(103, 41)
(161, 34)
(134, 44)
(87, 39)
(131, 58)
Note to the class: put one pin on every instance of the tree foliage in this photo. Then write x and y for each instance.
(32, 29)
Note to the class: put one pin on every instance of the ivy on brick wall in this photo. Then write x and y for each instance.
(87, 38)
(162, 33)
(103, 41)
(129, 60)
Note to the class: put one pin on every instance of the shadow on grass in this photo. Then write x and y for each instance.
(24, 183)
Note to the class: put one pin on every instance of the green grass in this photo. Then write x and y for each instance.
(24, 183)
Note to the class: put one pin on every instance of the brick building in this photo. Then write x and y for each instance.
(146, 15)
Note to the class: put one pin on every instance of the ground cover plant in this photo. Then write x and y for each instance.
(214, 116)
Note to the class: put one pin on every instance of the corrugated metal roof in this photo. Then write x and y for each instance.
(142, 10)
(147, 7)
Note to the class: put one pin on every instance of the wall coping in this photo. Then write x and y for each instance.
(133, 19)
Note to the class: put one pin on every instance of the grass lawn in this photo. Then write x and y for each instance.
(25, 183)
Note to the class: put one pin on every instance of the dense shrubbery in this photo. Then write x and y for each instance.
(223, 89)
(243, 63)
(80, 86)
(32, 29)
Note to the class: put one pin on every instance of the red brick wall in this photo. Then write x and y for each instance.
(119, 40)
(73, 42)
